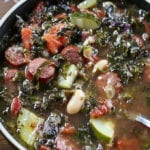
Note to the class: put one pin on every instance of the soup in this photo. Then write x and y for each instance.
(76, 75)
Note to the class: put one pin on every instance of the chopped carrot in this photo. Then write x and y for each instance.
(26, 35)
(55, 42)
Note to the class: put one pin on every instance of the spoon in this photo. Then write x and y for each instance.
(139, 118)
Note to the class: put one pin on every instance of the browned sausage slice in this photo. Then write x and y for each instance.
(33, 67)
(47, 73)
(16, 56)
(71, 53)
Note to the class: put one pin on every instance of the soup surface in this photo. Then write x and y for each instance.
(76, 76)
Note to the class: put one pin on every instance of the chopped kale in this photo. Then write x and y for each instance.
(127, 62)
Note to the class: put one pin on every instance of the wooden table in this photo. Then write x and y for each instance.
(4, 144)
(4, 6)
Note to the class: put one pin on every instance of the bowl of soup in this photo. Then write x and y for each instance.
(75, 75)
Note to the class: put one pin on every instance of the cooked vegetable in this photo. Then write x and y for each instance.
(76, 102)
(80, 65)
(87, 4)
(67, 76)
(84, 21)
(28, 124)
(103, 129)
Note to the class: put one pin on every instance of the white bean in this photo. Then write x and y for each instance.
(100, 65)
(76, 102)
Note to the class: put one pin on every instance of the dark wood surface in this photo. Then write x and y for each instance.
(4, 6)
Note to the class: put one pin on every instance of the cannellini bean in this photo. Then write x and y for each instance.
(110, 91)
(89, 40)
(100, 65)
(76, 102)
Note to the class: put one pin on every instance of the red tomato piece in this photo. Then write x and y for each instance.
(138, 39)
(16, 56)
(15, 106)
(68, 129)
(44, 147)
(26, 35)
(61, 16)
(100, 14)
(128, 144)
(100, 111)
(10, 75)
(74, 8)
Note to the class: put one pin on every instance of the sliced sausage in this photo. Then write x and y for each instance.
(128, 144)
(47, 73)
(33, 67)
(108, 82)
(65, 143)
(16, 56)
(71, 53)
(40, 68)
(146, 74)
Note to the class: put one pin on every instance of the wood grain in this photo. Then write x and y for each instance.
(4, 144)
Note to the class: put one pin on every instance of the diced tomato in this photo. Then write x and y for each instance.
(26, 35)
(44, 147)
(138, 39)
(68, 129)
(56, 28)
(10, 75)
(100, 111)
(15, 106)
(100, 14)
(61, 16)
(128, 144)
(74, 8)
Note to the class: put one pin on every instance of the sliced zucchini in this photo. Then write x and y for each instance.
(27, 124)
(103, 129)
(84, 21)
(67, 76)
(87, 4)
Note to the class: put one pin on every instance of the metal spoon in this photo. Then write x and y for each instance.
(139, 118)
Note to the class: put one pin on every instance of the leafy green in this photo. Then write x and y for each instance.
(127, 62)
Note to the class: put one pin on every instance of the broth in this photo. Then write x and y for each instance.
(73, 74)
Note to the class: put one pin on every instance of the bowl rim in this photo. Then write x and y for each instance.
(3, 128)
